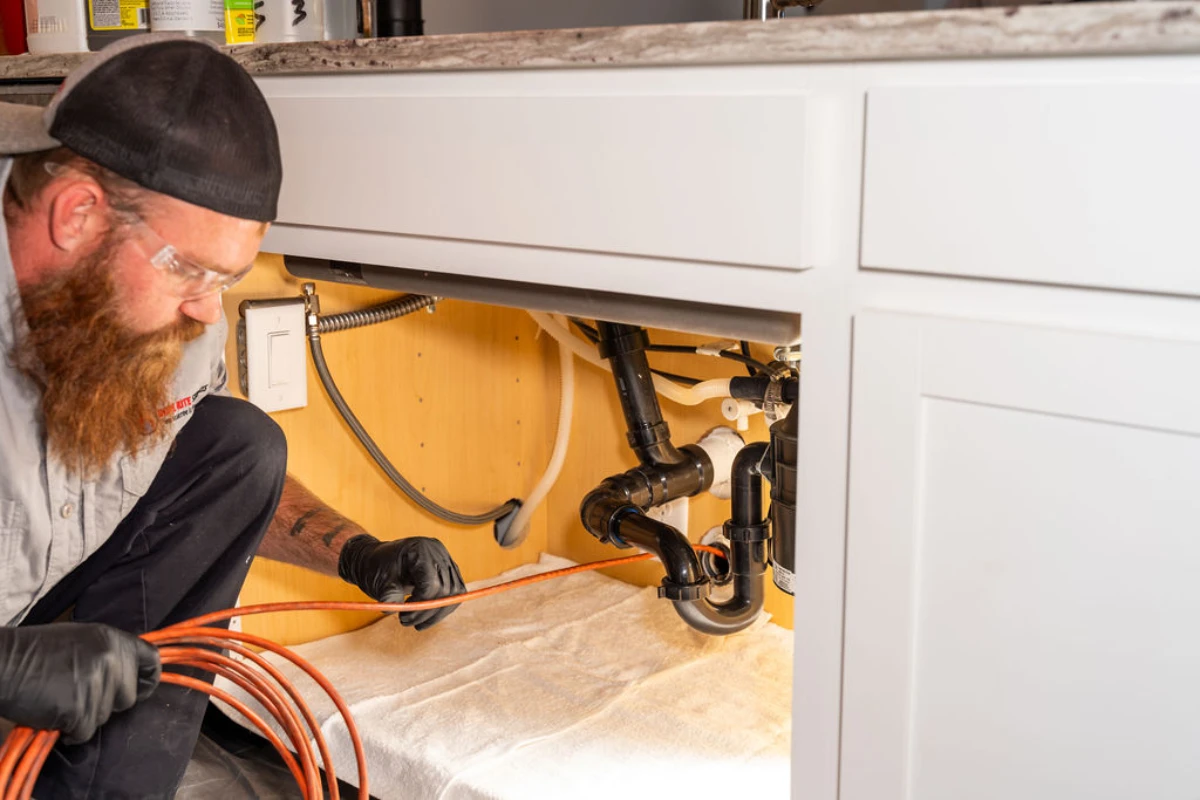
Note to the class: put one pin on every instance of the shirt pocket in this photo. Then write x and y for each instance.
(12, 515)
(137, 474)
(14, 530)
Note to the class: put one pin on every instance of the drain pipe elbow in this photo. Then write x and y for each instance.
(685, 577)
(748, 533)
(602, 510)
(735, 614)
(608, 514)
(687, 586)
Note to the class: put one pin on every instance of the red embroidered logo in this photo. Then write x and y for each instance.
(171, 409)
(182, 407)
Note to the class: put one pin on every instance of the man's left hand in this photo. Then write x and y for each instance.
(389, 571)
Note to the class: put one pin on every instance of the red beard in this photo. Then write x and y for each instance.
(102, 384)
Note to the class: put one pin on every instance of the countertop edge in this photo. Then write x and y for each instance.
(1078, 29)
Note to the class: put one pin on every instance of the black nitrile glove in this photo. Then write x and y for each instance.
(387, 571)
(71, 677)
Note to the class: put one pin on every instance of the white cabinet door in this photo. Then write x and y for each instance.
(1023, 565)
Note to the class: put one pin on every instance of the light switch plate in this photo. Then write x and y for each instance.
(271, 353)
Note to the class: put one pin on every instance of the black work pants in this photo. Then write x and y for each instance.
(182, 551)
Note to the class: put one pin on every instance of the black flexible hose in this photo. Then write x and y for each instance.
(727, 354)
(588, 331)
(753, 365)
(747, 354)
(674, 378)
(318, 356)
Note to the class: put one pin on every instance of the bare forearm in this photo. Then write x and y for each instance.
(305, 531)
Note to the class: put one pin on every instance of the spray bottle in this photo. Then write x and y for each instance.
(55, 26)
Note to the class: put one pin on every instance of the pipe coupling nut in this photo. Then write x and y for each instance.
(677, 591)
(758, 532)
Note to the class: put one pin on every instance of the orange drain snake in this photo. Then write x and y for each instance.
(194, 643)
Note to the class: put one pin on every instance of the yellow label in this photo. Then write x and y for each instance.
(239, 21)
(118, 15)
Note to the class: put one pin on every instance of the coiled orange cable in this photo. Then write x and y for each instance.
(197, 645)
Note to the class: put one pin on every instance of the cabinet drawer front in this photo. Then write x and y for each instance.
(1088, 185)
(677, 177)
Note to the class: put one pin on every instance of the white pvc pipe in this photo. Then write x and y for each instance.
(558, 456)
(692, 395)
(565, 338)
(684, 395)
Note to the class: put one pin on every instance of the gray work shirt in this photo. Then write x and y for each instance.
(51, 521)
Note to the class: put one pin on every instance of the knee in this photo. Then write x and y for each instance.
(245, 435)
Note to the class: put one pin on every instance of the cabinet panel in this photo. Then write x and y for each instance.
(1089, 185)
(1021, 564)
(675, 177)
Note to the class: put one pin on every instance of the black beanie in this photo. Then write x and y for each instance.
(176, 116)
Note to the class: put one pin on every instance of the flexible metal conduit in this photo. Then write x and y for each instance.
(399, 307)
(384, 311)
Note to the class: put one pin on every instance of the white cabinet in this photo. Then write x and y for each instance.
(630, 172)
(1084, 183)
(656, 183)
(1022, 596)
(1021, 589)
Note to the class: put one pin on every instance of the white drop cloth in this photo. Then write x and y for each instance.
(580, 687)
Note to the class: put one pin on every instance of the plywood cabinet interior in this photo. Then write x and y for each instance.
(465, 402)
(455, 398)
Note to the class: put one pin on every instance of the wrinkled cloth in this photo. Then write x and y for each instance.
(582, 687)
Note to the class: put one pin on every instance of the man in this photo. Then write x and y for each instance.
(133, 490)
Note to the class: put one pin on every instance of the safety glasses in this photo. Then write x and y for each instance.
(192, 280)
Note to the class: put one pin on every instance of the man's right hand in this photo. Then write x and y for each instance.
(71, 677)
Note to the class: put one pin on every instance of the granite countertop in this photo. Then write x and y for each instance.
(1170, 26)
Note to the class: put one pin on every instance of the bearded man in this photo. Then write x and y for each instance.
(134, 490)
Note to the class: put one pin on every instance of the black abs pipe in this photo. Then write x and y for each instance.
(645, 487)
(685, 578)
(641, 488)
(756, 388)
(748, 533)
(613, 511)
(625, 348)
(612, 519)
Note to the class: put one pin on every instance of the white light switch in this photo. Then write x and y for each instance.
(275, 354)
(279, 371)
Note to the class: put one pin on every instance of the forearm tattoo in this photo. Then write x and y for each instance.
(305, 531)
